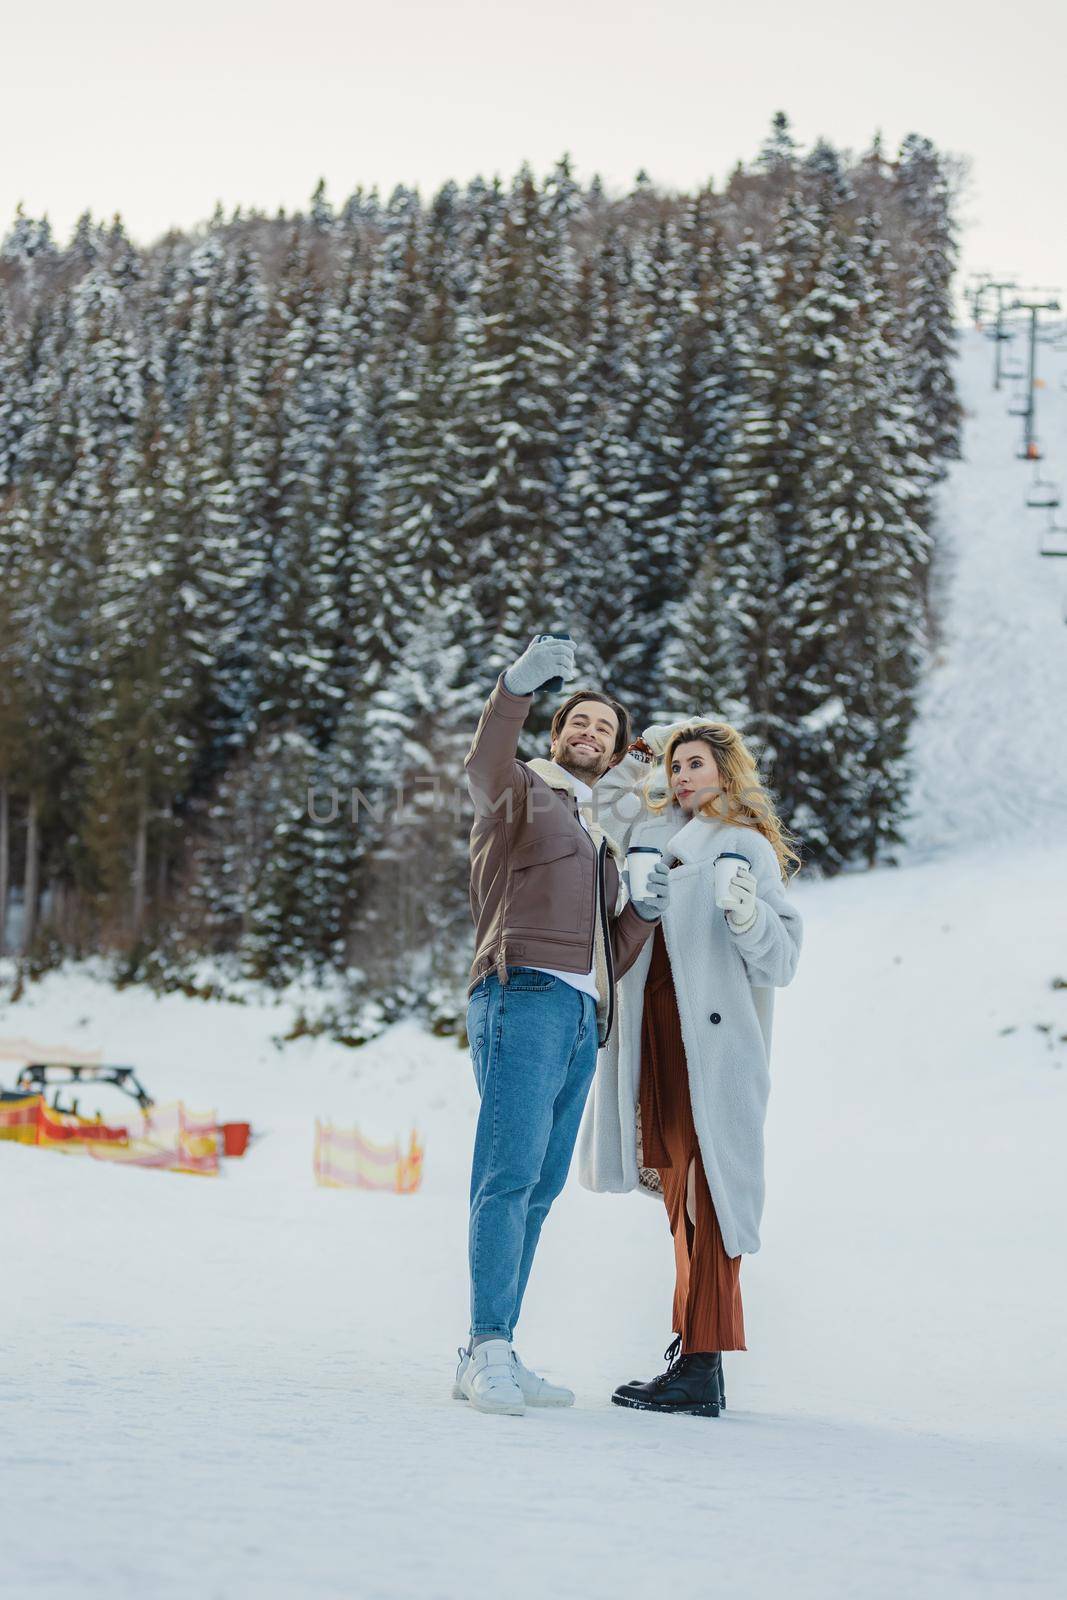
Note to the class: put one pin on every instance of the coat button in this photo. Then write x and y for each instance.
(715, 1017)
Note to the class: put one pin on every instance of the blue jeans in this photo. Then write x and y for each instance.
(533, 1044)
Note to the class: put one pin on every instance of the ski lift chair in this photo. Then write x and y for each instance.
(1054, 540)
(1043, 494)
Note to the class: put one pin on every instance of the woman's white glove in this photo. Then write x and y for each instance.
(657, 893)
(657, 734)
(741, 906)
(542, 660)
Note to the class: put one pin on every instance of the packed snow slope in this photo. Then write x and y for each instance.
(991, 745)
(240, 1386)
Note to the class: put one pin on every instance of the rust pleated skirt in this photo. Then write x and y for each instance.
(707, 1290)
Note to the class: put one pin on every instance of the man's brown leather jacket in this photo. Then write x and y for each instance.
(541, 889)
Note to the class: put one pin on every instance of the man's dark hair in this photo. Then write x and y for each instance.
(622, 738)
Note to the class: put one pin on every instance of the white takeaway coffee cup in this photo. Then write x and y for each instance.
(640, 859)
(726, 865)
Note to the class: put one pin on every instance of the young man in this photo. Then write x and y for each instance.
(550, 943)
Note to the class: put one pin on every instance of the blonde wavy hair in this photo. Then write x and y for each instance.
(742, 799)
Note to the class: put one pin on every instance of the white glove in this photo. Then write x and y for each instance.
(740, 908)
(541, 660)
(657, 893)
(657, 734)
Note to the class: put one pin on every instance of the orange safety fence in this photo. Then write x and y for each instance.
(18, 1119)
(67, 1130)
(344, 1159)
(169, 1137)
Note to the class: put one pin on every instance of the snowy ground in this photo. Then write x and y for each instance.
(241, 1386)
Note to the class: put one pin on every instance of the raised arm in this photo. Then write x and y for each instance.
(493, 772)
(495, 777)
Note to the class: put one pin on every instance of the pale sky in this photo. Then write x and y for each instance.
(124, 105)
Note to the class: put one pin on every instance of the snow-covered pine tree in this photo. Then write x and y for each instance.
(300, 897)
(407, 381)
(930, 262)
(855, 641)
(778, 160)
(13, 726)
(600, 470)
(353, 516)
(294, 687)
(727, 640)
(778, 152)
(826, 187)
(71, 515)
(86, 244)
(281, 621)
(705, 379)
(282, 434)
(663, 541)
(410, 742)
(695, 650)
(321, 212)
(30, 249)
(515, 374)
(227, 484)
(13, 417)
(41, 612)
(151, 660)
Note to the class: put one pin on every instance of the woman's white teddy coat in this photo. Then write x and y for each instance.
(725, 986)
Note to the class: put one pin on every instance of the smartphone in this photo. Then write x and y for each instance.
(555, 684)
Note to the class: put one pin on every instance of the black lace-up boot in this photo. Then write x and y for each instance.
(668, 1354)
(691, 1385)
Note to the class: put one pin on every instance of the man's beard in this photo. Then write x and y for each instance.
(584, 764)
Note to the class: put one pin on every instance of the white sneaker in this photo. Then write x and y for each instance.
(536, 1391)
(487, 1379)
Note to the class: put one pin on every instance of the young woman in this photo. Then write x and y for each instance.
(680, 1092)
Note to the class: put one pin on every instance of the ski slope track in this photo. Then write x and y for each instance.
(241, 1386)
(990, 747)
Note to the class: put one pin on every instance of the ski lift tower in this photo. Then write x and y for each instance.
(1000, 334)
(975, 293)
(1030, 450)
